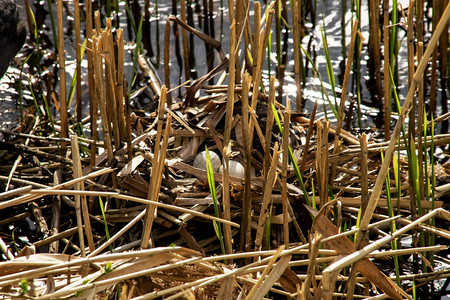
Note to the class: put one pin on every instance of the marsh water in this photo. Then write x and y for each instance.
(333, 18)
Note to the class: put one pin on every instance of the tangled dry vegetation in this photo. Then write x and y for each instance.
(139, 221)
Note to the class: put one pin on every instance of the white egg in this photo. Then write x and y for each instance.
(236, 169)
(200, 161)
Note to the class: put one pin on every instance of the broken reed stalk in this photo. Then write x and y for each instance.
(110, 82)
(386, 76)
(296, 24)
(100, 92)
(98, 23)
(226, 138)
(418, 75)
(271, 178)
(248, 39)
(78, 59)
(285, 151)
(322, 160)
(341, 112)
(246, 207)
(308, 138)
(313, 252)
(259, 59)
(157, 167)
(120, 89)
(81, 199)
(269, 126)
(256, 35)
(62, 76)
(364, 173)
(239, 19)
(76, 174)
(91, 81)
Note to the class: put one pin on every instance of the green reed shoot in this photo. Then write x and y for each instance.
(314, 204)
(330, 73)
(269, 227)
(73, 84)
(396, 167)
(394, 42)
(52, 21)
(108, 8)
(38, 48)
(357, 62)
(212, 189)
(393, 225)
(20, 88)
(102, 208)
(137, 51)
(322, 87)
(291, 157)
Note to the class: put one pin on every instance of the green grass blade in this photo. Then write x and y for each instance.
(212, 188)
(291, 157)
(102, 208)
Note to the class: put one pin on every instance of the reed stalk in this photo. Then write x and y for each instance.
(296, 25)
(226, 137)
(78, 59)
(100, 95)
(386, 84)
(357, 62)
(120, 88)
(256, 35)
(434, 59)
(263, 216)
(269, 126)
(421, 126)
(374, 47)
(110, 82)
(246, 207)
(285, 151)
(167, 60)
(394, 42)
(157, 167)
(410, 54)
(259, 59)
(78, 206)
(91, 81)
(187, 68)
(393, 225)
(62, 76)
